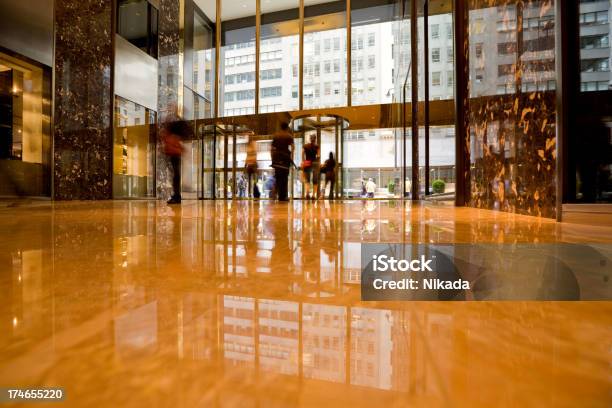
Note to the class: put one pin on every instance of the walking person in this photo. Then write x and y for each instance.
(282, 150)
(251, 168)
(370, 188)
(172, 135)
(329, 168)
(311, 159)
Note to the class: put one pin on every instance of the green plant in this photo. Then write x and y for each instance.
(391, 187)
(438, 186)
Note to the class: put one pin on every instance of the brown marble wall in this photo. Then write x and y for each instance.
(510, 113)
(169, 84)
(82, 148)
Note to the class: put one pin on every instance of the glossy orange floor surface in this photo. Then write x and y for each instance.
(257, 304)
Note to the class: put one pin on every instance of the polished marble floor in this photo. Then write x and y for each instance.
(257, 304)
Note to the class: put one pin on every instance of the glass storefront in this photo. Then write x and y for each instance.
(25, 143)
(134, 138)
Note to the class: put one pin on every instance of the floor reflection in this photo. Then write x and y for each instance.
(258, 304)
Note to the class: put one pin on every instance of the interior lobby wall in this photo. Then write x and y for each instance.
(83, 100)
(27, 28)
(509, 106)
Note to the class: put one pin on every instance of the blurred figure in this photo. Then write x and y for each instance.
(311, 159)
(251, 168)
(173, 133)
(282, 149)
(370, 188)
(241, 186)
(329, 168)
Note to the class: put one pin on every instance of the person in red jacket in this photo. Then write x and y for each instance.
(173, 133)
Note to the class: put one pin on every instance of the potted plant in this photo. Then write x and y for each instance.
(438, 186)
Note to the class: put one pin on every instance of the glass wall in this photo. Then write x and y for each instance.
(595, 29)
(372, 56)
(237, 66)
(441, 57)
(592, 141)
(371, 156)
(203, 66)
(24, 128)
(325, 76)
(133, 150)
(279, 56)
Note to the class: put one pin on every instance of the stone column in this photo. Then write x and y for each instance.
(82, 149)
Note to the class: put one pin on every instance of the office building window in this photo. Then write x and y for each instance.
(371, 61)
(271, 92)
(435, 55)
(436, 78)
(327, 67)
(435, 31)
(371, 39)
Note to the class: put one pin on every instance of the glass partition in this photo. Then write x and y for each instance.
(134, 150)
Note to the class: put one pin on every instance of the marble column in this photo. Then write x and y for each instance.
(82, 149)
(511, 111)
(169, 70)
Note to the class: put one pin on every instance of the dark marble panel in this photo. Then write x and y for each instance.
(82, 148)
(169, 84)
(511, 108)
(513, 153)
